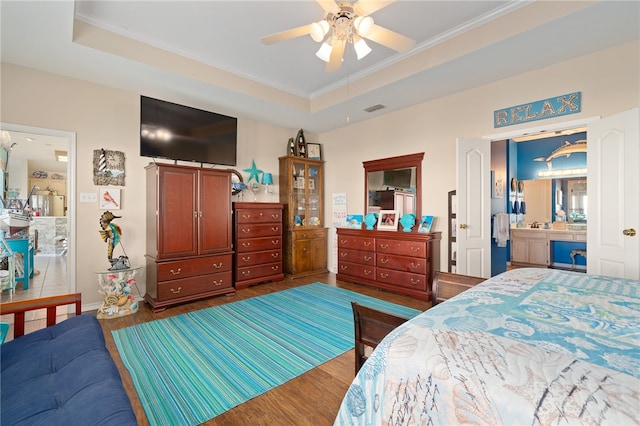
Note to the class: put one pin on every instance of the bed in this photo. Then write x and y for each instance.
(527, 347)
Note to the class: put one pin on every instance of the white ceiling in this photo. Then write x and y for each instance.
(459, 45)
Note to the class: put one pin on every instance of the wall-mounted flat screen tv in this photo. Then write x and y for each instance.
(178, 132)
(400, 178)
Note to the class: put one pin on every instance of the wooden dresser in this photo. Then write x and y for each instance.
(188, 234)
(403, 262)
(257, 243)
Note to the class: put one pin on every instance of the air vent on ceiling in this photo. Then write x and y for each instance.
(374, 108)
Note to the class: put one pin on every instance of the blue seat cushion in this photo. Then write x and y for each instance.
(62, 374)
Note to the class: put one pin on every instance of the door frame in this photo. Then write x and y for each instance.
(71, 189)
(540, 129)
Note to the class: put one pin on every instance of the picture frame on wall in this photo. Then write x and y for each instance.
(109, 198)
(388, 220)
(314, 151)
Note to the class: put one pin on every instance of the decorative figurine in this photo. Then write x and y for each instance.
(370, 220)
(407, 221)
(111, 234)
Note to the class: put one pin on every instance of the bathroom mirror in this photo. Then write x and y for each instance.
(394, 183)
(544, 197)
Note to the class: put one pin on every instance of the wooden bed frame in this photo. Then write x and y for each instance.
(19, 308)
(446, 285)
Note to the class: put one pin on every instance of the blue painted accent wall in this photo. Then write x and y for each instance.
(526, 152)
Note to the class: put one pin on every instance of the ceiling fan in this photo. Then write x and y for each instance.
(346, 23)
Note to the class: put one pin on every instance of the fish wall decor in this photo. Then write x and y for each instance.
(565, 150)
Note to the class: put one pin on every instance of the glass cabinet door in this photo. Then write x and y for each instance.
(306, 199)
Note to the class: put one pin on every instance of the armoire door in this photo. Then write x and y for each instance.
(214, 211)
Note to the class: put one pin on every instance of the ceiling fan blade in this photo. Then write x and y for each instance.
(329, 6)
(367, 7)
(337, 52)
(286, 35)
(391, 39)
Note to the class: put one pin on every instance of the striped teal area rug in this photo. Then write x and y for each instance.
(190, 368)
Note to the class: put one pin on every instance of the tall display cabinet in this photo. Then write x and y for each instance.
(302, 194)
(188, 234)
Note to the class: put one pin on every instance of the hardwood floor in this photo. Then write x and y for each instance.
(311, 399)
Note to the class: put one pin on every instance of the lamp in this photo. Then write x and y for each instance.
(345, 28)
(324, 52)
(267, 181)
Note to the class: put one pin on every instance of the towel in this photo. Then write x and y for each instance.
(501, 229)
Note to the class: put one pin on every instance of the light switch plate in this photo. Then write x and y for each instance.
(88, 197)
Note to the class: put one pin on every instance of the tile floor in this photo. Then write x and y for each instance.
(49, 279)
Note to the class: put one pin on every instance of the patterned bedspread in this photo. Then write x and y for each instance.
(527, 347)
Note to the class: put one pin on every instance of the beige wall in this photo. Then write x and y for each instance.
(103, 117)
(609, 81)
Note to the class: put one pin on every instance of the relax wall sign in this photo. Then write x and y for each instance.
(538, 110)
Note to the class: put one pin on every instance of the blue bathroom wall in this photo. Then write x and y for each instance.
(527, 153)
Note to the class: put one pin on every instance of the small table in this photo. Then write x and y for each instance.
(25, 247)
(117, 287)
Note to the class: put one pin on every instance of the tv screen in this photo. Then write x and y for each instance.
(400, 178)
(178, 132)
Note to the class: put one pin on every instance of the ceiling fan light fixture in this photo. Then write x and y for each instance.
(363, 25)
(324, 52)
(362, 48)
(318, 30)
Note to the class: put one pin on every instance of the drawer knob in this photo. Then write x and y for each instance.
(275, 242)
(246, 244)
(275, 229)
(415, 265)
(367, 272)
(217, 283)
(384, 246)
(275, 255)
(415, 249)
(383, 260)
(246, 231)
(217, 265)
(275, 216)
(246, 273)
(384, 276)
(343, 241)
(246, 258)
(367, 258)
(174, 291)
(246, 216)
(343, 254)
(367, 244)
(343, 267)
(415, 282)
(176, 272)
(275, 268)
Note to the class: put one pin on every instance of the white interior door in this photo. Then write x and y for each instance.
(613, 194)
(473, 194)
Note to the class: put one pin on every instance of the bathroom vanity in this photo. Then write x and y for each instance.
(535, 246)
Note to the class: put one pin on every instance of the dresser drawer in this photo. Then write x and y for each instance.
(356, 270)
(357, 256)
(308, 234)
(262, 216)
(192, 267)
(402, 279)
(258, 258)
(259, 230)
(414, 265)
(185, 287)
(404, 248)
(258, 271)
(356, 243)
(258, 244)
